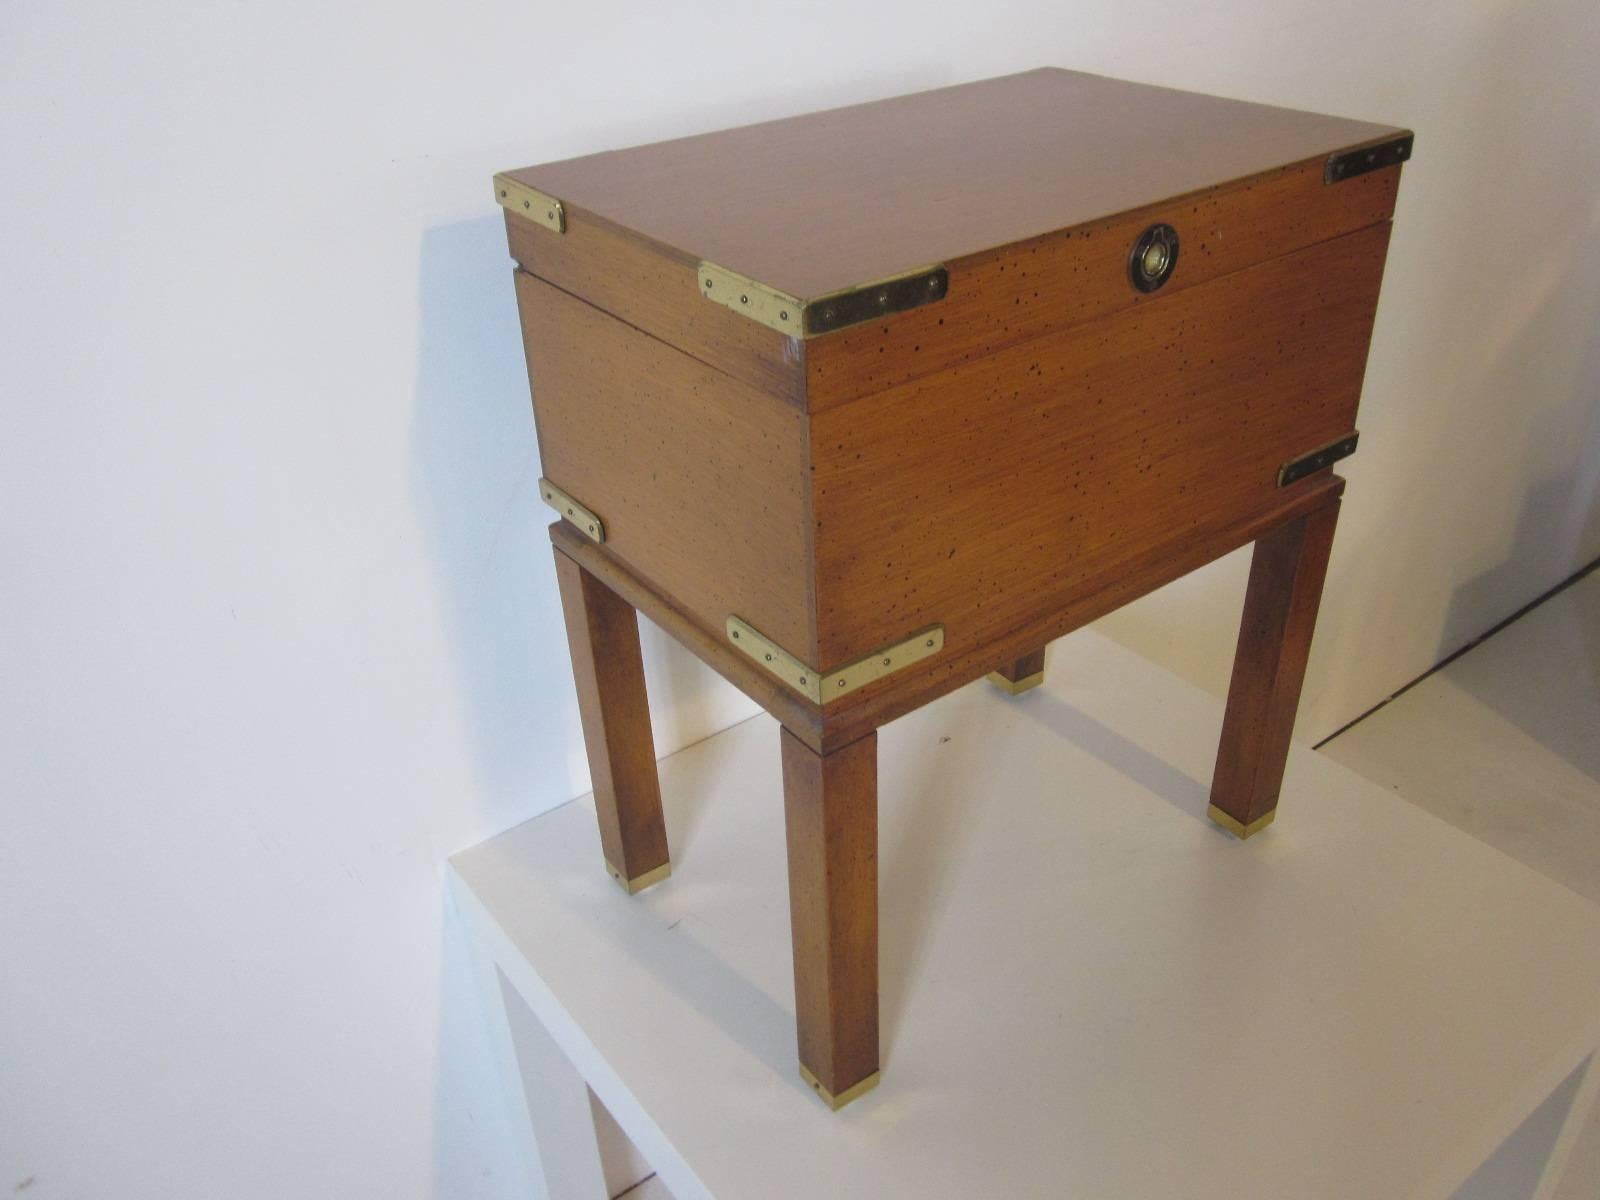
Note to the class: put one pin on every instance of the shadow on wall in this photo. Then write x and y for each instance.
(1557, 527)
(474, 475)
(1542, 332)
(1558, 524)
(1527, 700)
(1569, 500)
(474, 472)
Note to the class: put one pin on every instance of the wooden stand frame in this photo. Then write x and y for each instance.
(830, 753)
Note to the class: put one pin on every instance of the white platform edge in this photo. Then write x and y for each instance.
(681, 1180)
(604, 1082)
(676, 1173)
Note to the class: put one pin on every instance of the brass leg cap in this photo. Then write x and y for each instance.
(639, 882)
(1237, 828)
(1016, 687)
(844, 1097)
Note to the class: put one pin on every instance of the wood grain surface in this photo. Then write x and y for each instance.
(830, 805)
(1026, 667)
(656, 289)
(603, 637)
(830, 200)
(1010, 295)
(881, 702)
(712, 647)
(701, 480)
(1269, 667)
(990, 493)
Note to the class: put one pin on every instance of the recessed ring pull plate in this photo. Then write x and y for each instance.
(1153, 258)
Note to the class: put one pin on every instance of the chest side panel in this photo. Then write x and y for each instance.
(998, 489)
(699, 477)
(1021, 291)
(656, 289)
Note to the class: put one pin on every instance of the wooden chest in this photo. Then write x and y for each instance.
(866, 404)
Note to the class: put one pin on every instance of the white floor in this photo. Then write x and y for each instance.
(1504, 743)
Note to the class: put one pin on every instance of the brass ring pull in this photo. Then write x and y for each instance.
(1153, 258)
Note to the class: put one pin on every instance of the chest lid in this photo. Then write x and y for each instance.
(820, 206)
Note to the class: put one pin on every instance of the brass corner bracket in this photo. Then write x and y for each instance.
(803, 318)
(582, 518)
(1347, 164)
(1313, 461)
(820, 688)
(529, 202)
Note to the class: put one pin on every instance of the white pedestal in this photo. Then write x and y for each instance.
(1087, 989)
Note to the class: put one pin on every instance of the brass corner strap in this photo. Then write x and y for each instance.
(1310, 463)
(1347, 164)
(530, 202)
(583, 520)
(821, 688)
(803, 318)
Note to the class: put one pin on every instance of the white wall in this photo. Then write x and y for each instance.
(278, 629)
(1477, 485)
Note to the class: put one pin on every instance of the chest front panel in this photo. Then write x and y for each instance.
(983, 494)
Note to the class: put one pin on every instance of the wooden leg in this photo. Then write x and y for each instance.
(603, 635)
(1021, 676)
(831, 811)
(1280, 612)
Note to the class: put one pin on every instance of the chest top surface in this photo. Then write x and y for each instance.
(819, 203)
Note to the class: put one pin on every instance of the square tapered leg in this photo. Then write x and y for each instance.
(831, 815)
(1021, 676)
(1280, 613)
(603, 635)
